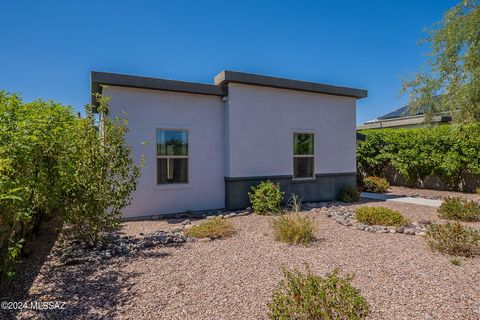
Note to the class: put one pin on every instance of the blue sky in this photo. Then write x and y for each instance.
(48, 48)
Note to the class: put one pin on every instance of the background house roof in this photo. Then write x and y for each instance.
(402, 112)
(404, 118)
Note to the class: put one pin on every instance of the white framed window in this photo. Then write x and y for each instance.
(303, 156)
(172, 156)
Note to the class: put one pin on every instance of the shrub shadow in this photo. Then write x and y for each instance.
(36, 251)
(87, 291)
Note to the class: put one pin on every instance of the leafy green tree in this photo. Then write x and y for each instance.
(102, 174)
(34, 139)
(53, 163)
(452, 82)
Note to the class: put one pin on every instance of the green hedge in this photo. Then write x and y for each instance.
(448, 152)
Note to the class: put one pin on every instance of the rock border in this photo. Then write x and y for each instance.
(346, 217)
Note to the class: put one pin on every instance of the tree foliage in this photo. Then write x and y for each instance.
(448, 152)
(452, 80)
(34, 138)
(102, 175)
(53, 163)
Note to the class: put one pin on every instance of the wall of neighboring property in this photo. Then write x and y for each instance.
(259, 136)
(203, 116)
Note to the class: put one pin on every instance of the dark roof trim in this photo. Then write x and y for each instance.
(114, 79)
(226, 77)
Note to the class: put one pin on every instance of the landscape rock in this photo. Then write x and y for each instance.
(186, 222)
(346, 217)
(71, 252)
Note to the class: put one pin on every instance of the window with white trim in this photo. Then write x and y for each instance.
(172, 156)
(303, 156)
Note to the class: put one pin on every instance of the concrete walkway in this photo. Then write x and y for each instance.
(396, 198)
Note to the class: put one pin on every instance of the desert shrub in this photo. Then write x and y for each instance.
(380, 216)
(455, 261)
(308, 296)
(266, 197)
(458, 208)
(212, 228)
(349, 195)
(376, 184)
(295, 203)
(103, 176)
(294, 228)
(454, 238)
(477, 191)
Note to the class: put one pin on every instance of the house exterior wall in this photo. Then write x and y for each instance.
(259, 140)
(204, 118)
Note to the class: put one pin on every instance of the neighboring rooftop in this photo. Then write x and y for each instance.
(404, 118)
(220, 87)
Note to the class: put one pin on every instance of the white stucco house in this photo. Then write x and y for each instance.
(209, 143)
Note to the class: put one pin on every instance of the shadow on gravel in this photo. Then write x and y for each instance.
(36, 251)
(88, 291)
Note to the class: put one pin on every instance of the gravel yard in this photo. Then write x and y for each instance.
(234, 278)
(431, 194)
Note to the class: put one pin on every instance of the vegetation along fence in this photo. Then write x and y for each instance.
(443, 157)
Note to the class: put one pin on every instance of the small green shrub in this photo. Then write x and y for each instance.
(380, 216)
(212, 228)
(477, 191)
(349, 195)
(266, 198)
(376, 184)
(455, 261)
(295, 203)
(458, 208)
(307, 296)
(294, 229)
(454, 238)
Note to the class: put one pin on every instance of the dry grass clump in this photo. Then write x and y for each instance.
(308, 296)
(454, 238)
(215, 228)
(380, 216)
(294, 228)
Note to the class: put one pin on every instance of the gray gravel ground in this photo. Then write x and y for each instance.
(234, 278)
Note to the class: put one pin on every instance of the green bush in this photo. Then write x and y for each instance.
(102, 176)
(294, 229)
(454, 238)
(448, 152)
(212, 228)
(349, 195)
(310, 297)
(376, 184)
(53, 163)
(458, 208)
(380, 216)
(477, 191)
(266, 198)
(34, 152)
